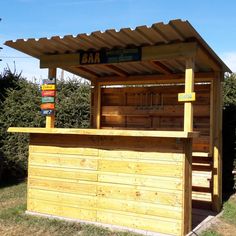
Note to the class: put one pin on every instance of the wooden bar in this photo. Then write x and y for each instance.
(155, 147)
(92, 178)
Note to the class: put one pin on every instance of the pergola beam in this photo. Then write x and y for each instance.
(154, 53)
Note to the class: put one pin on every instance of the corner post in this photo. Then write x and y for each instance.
(217, 143)
(97, 106)
(50, 120)
(189, 86)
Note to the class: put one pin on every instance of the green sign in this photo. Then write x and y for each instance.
(48, 99)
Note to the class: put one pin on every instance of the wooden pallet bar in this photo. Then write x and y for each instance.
(153, 151)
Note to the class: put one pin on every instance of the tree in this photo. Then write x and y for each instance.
(229, 133)
(20, 107)
(72, 104)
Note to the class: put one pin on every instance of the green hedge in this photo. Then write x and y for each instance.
(20, 107)
(229, 134)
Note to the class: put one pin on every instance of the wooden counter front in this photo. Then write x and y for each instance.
(138, 182)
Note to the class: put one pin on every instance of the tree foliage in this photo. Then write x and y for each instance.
(73, 104)
(20, 107)
(229, 133)
(230, 90)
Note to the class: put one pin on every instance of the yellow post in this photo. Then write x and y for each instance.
(50, 120)
(97, 106)
(189, 86)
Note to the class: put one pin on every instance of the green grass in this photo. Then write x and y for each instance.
(226, 224)
(14, 222)
(229, 213)
(210, 233)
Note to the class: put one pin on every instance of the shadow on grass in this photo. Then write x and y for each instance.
(10, 182)
(229, 150)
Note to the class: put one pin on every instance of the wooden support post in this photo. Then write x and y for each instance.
(189, 86)
(97, 106)
(217, 145)
(92, 105)
(50, 120)
(187, 184)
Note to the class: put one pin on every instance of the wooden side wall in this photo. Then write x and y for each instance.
(112, 180)
(157, 108)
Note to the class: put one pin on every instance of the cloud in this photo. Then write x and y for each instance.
(230, 60)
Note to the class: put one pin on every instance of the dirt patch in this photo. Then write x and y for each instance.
(223, 228)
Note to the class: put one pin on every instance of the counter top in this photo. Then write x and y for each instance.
(105, 132)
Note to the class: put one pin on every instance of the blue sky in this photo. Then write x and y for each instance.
(215, 20)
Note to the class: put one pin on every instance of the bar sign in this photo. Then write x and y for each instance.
(186, 97)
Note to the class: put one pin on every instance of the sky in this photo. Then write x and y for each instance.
(215, 20)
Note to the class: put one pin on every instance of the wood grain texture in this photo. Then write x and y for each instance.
(94, 177)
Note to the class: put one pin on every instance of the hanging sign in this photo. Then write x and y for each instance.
(48, 87)
(47, 112)
(49, 93)
(49, 106)
(48, 99)
(123, 55)
(49, 81)
(186, 97)
(111, 56)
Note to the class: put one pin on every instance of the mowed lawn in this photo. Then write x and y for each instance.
(14, 222)
(225, 225)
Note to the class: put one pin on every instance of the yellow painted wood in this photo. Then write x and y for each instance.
(153, 79)
(189, 84)
(158, 52)
(157, 156)
(140, 222)
(64, 185)
(103, 132)
(151, 168)
(64, 173)
(50, 120)
(63, 199)
(97, 177)
(212, 117)
(170, 51)
(61, 160)
(81, 151)
(141, 180)
(47, 207)
(187, 192)
(141, 194)
(147, 209)
(98, 111)
(60, 60)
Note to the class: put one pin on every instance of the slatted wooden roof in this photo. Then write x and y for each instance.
(176, 31)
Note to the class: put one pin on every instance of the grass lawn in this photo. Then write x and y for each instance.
(226, 224)
(14, 222)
